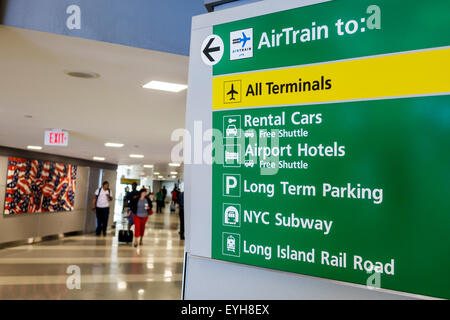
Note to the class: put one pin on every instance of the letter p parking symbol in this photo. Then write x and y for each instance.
(231, 185)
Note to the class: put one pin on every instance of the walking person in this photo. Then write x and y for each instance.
(174, 200)
(181, 213)
(159, 201)
(132, 195)
(164, 191)
(151, 195)
(125, 198)
(100, 204)
(140, 209)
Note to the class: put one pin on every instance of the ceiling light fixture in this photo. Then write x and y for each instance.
(148, 166)
(139, 156)
(174, 177)
(174, 164)
(165, 86)
(83, 75)
(34, 147)
(99, 158)
(173, 172)
(155, 173)
(113, 145)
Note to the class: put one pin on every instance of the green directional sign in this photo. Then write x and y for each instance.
(340, 29)
(332, 150)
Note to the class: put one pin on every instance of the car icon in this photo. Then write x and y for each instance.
(231, 130)
(249, 134)
(249, 163)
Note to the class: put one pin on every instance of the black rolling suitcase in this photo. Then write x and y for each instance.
(125, 235)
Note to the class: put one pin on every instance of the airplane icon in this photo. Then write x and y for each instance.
(232, 92)
(244, 39)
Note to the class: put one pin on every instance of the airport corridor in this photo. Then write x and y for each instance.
(108, 270)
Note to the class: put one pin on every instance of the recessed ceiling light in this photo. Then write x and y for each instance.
(148, 166)
(155, 173)
(165, 86)
(136, 156)
(34, 147)
(113, 145)
(160, 177)
(174, 164)
(83, 75)
(174, 177)
(173, 172)
(99, 158)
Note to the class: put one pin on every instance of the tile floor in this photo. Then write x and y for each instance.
(108, 270)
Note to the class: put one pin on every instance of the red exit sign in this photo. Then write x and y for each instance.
(56, 138)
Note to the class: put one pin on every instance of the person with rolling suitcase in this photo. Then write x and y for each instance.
(140, 209)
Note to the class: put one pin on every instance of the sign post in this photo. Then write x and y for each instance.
(334, 124)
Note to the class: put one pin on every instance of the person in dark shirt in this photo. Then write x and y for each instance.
(164, 191)
(181, 213)
(125, 198)
(159, 201)
(132, 195)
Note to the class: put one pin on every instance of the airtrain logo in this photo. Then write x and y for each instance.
(241, 44)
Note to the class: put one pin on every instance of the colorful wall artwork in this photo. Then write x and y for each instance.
(39, 186)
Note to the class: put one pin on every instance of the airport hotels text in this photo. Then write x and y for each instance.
(347, 191)
(304, 150)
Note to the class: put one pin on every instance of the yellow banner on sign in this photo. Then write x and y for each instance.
(425, 72)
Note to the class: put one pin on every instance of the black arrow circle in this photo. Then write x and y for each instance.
(208, 50)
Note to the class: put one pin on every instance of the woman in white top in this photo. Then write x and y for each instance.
(101, 205)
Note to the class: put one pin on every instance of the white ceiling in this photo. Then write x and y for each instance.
(112, 108)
